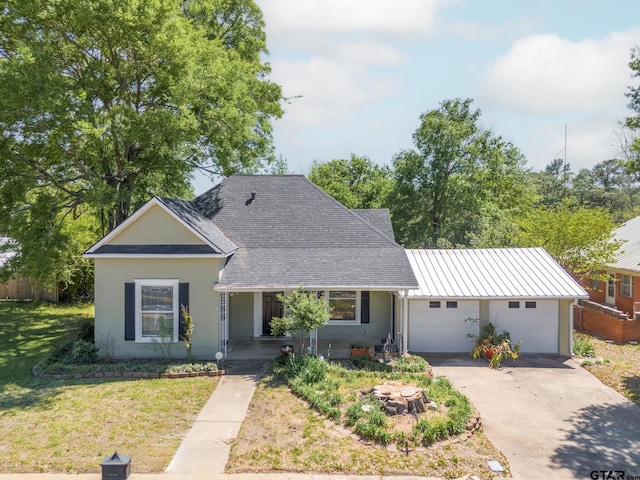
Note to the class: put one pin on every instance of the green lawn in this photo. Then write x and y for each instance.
(69, 426)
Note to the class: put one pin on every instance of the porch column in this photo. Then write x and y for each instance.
(257, 314)
(405, 320)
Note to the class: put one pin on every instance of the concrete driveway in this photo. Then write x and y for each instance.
(550, 417)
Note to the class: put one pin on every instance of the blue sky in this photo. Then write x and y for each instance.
(363, 71)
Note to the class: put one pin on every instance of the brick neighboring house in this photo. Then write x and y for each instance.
(613, 308)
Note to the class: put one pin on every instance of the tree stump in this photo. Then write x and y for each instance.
(401, 399)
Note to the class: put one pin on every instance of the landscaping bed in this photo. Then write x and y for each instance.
(322, 419)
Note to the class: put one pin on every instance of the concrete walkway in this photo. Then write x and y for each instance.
(206, 447)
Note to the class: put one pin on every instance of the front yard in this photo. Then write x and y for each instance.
(71, 425)
(284, 433)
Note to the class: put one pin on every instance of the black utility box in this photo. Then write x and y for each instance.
(116, 467)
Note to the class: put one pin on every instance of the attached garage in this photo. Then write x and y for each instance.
(521, 290)
(441, 326)
(534, 323)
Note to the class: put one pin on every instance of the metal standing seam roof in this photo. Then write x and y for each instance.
(491, 273)
(628, 256)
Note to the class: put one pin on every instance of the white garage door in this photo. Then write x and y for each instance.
(535, 323)
(440, 326)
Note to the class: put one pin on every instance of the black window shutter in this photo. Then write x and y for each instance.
(129, 311)
(364, 307)
(183, 299)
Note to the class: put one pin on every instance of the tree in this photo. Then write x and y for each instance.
(553, 183)
(104, 103)
(303, 312)
(580, 240)
(457, 172)
(356, 183)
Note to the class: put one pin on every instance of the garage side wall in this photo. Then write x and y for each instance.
(565, 327)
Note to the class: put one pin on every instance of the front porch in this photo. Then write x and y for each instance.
(266, 347)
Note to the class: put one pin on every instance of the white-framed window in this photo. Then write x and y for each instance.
(345, 305)
(611, 286)
(625, 286)
(157, 310)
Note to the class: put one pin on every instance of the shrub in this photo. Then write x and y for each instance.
(583, 348)
(410, 364)
(81, 352)
(431, 431)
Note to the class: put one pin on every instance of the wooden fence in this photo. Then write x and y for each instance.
(25, 289)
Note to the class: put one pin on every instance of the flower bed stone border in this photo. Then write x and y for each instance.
(127, 375)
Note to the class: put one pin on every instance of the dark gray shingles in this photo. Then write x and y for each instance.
(291, 233)
(204, 226)
(156, 250)
(288, 211)
(317, 268)
(379, 218)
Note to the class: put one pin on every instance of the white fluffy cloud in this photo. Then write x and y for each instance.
(546, 74)
(334, 52)
(327, 91)
(397, 17)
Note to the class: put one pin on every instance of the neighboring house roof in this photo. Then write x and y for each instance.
(498, 273)
(380, 218)
(291, 234)
(628, 256)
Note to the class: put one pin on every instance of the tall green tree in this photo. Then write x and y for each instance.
(104, 103)
(356, 182)
(580, 239)
(553, 183)
(457, 173)
(632, 149)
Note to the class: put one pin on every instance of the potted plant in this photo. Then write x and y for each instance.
(493, 345)
(359, 348)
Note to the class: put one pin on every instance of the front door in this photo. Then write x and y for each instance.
(611, 290)
(271, 307)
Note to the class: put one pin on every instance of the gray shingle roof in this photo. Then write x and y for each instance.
(379, 218)
(292, 234)
(188, 213)
(156, 250)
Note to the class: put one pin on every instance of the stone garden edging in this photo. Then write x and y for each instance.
(127, 375)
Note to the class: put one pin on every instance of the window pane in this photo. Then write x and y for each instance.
(530, 305)
(514, 304)
(343, 303)
(157, 325)
(157, 298)
(452, 304)
(434, 304)
(625, 285)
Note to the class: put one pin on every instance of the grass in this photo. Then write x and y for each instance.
(70, 426)
(617, 366)
(323, 428)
